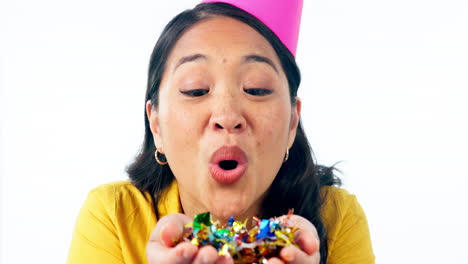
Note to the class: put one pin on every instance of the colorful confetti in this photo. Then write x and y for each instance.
(257, 245)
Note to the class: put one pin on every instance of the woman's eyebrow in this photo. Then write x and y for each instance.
(190, 58)
(246, 59)
(259, 58)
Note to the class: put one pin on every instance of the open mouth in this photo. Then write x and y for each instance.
(228, 164)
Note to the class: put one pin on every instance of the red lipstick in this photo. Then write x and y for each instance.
(228, 164)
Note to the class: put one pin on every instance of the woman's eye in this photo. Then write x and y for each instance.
(258, 91)
(196, 92)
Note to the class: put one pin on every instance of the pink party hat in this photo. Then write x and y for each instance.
(283, 17)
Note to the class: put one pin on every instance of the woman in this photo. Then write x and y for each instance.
(223, 136)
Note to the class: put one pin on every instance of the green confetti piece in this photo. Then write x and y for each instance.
(201, 219)
(222, 232)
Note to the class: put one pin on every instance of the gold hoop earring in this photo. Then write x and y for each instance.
(158, 160)
(286, 156)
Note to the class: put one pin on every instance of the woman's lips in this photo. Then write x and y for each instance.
(228, 176)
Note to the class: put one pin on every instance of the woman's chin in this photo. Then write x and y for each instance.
(222, 212)
(225, 214)
(238, 203)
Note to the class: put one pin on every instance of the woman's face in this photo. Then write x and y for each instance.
(224, 119)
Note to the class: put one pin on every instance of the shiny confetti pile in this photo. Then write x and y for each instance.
(263, 241)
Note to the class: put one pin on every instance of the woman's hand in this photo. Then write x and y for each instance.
(308, 241)
(162, 246)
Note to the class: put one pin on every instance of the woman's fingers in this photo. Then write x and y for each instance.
(225, 260)
(169, 229)
(295, 255)
(163, 245)
(306, 236)
(307, 240)
(206, 255)
(275, 261)
(209, 255)
(183, 253)
(170, 234)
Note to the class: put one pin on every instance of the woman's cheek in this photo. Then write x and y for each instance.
(184, 130)
(272, 121)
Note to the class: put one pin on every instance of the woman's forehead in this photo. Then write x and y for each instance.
(222, 38)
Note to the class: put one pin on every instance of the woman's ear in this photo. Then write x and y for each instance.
(152, 114)
(295, 117)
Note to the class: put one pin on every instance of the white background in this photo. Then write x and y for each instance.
(384, 91)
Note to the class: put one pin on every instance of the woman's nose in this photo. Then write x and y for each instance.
(228, 116)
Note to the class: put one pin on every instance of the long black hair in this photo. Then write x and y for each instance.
(298, 182)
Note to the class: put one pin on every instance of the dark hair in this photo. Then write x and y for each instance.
(298, 182)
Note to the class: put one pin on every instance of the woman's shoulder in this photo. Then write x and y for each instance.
(123, 208)
(113, 225)
(117, 189)
(340, 205)
(120, 196)
(347, 227)
(337, 199)
(124, 199)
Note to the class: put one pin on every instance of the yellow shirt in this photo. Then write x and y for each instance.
(116, 221)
